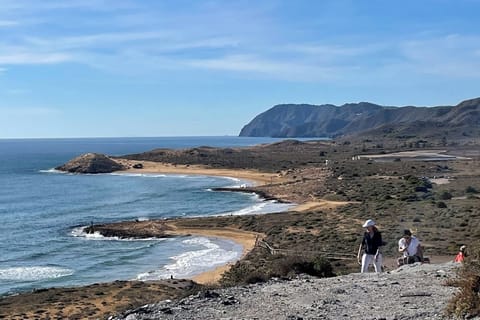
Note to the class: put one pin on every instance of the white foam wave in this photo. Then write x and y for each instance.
(144, 175)
(33, 273)
(263, 207)
(193, 262)
(52, 170)
(80, 233)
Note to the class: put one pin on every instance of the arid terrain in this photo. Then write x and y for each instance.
(337, 186)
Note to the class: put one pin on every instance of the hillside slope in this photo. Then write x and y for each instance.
(410, 292)
(303, 120)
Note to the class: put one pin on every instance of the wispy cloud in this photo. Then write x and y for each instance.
(16, 92)
(451, 55)
(280, 69)
(8, 23)
(28, 111)
(208, 36)
(33, 58)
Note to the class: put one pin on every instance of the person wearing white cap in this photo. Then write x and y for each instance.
(460, 257)
(371, 243)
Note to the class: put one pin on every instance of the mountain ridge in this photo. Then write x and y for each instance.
(328, 120)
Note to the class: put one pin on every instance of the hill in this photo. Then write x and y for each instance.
(304, 120)
(410, 292)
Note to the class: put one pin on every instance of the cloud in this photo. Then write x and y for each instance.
(16, 92)
(28, 111)
(8, 23)
(451, 55)
(213, 36)
(289, 69)
(33, 58)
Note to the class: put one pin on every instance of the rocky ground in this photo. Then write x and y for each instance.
(410, 292)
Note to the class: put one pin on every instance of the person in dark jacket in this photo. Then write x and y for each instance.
(371, 243)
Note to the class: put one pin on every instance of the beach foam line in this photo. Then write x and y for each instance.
(34, 273)
(264, 207)
(79, 232)
(52, 170)
(194, 262)
(142, 175)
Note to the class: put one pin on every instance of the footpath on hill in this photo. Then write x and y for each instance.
(415, 291)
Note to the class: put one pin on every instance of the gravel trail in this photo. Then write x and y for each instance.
(410, 292)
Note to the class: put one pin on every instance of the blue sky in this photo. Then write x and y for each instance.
(103, 68)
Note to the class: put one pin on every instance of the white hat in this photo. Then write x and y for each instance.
(369, 223)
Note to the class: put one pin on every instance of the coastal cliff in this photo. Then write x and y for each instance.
(91, 163)
(304, 120)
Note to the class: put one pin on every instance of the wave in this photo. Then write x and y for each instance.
(238, 182)
(143, 175)
(35, 273)
(270, 206)
(79, 232)
(194, 262)
(52, 170)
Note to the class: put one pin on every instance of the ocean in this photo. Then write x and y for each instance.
(43, 213)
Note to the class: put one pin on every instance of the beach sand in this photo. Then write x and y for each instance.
(319, 204)
(257, 177)
(244, 238)
(165, 228)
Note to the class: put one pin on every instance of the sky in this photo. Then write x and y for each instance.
(150, 68)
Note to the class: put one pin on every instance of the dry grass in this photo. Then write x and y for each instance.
(466, 303)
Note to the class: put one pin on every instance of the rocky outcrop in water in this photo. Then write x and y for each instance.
(91, 163)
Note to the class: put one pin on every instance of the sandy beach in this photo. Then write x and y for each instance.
(244, 238)
(256, 177)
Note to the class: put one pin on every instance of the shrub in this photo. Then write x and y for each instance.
(445, 195)
(466, 302)
(242, 273)
(323, 267)
(471, 189)
(441, 204)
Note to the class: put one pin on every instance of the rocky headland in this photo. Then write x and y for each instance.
(91, 163)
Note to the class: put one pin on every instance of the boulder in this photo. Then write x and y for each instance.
(91, 163)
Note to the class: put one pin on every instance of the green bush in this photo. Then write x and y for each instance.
(445, 195)
(441, 204)
(471, 189)
(323, 267)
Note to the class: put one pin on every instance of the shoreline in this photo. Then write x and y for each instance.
(257, 177)
(246, 239)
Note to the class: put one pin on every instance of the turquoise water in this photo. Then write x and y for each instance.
(43, 213)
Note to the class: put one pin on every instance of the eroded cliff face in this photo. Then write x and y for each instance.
(91, 163)
(303, 120)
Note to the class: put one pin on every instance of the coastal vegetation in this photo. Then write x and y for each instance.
(340, 183)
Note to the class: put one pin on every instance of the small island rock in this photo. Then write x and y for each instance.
(91, 163)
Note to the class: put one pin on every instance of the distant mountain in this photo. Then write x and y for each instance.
(304, 120)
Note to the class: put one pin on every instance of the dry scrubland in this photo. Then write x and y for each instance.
(341, 193)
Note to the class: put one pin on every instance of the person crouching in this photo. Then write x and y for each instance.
(411, 249)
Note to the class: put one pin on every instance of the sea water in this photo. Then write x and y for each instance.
(43, 213)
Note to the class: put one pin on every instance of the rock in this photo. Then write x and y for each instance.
(91, 163)
(137, 166)
(421, 295)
